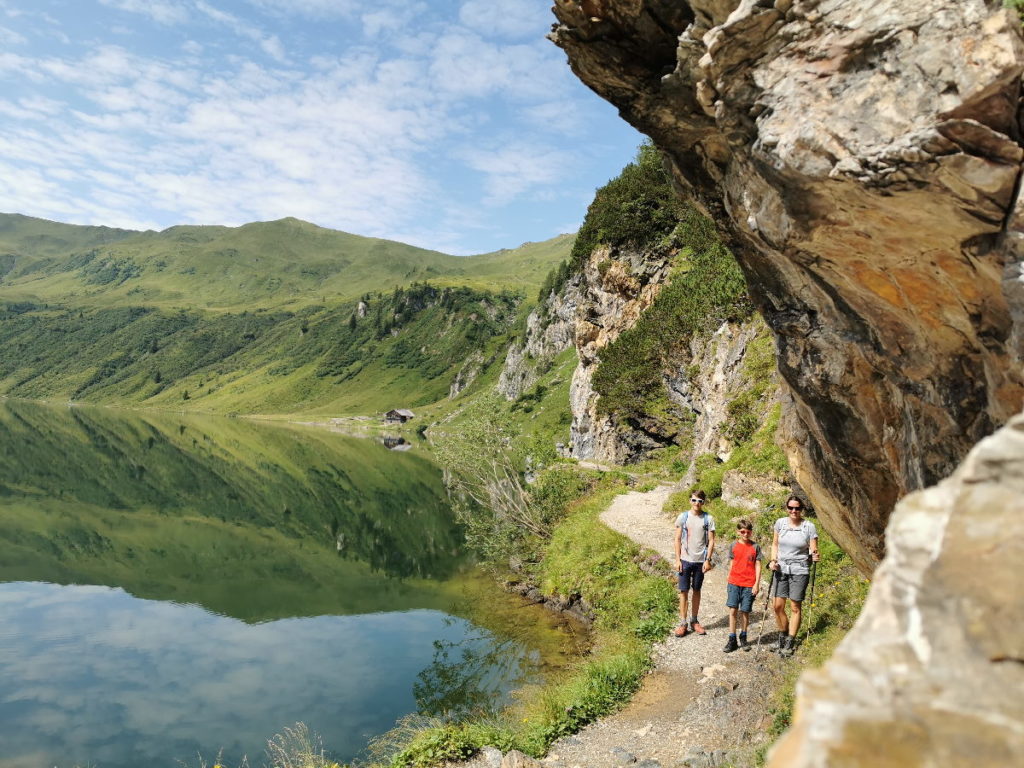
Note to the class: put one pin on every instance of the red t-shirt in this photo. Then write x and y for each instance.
(743, 572)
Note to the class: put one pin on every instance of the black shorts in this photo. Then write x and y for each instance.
(691, 577)
(791, 585)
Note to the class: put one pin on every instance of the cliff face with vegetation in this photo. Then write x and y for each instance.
(657, 312)
(862, 160)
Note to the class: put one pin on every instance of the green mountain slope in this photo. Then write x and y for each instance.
(400, 349)
(272, 317)
(286, 263)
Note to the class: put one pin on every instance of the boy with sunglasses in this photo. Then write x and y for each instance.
(695, 543)
(743, 585)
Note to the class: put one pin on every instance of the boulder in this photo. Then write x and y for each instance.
(932, 674)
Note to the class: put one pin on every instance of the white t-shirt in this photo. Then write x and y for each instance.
(795, 545)
(695, 539)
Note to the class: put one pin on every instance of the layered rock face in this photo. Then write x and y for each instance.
(549, 332)
(614, 290)
(932, 673)
(862, 159)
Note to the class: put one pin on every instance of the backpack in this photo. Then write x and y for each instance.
(686, 531)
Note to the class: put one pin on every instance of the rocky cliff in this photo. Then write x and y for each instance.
(549, 332)
(861, 157)
(616, 286)
(932, 673)
(699, 378)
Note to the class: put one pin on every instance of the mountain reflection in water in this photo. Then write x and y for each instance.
(244, 577)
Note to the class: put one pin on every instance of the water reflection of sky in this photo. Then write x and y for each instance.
(93, 676)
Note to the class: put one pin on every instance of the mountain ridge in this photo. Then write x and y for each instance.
(286, 262)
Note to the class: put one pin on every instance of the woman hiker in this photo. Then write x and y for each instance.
(794, 546)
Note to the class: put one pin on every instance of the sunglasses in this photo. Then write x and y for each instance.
(695, 500)
(795, 509)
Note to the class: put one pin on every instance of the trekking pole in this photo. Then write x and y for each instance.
(810, 604)
(764, 614)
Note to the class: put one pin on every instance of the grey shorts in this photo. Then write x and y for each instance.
(791, 585)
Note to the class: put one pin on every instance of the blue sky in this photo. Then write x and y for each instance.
(449, 124)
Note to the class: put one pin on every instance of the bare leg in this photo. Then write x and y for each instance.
(696, 603)
(732, 621)
(683, 599)
(779, 606)
(794, 617)
(744, 622)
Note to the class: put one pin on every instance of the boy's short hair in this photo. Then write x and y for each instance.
(744, 523)
(700, 495)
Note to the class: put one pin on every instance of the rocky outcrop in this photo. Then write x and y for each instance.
(708, 379)
(750, 492)
(549, 332)
(467, 374)
(699, 378)
(932, 673)
(615, 289)
(861, 157)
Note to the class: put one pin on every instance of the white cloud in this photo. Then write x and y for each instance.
(509, 18)
(270, 44)
(516, 168)
(162, 11)
(317, 9)
(10, 37)
(370, 140)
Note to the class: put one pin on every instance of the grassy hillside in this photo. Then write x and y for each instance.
(271, 317)
(402, 350)
(278, 264)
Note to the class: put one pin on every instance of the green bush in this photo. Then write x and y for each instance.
(638, 208)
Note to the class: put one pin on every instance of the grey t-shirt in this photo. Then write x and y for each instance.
(794, 545)
(695, 545)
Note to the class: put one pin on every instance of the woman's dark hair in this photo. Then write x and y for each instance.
(796, 499)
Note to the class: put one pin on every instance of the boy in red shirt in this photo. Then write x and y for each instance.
(744, 584)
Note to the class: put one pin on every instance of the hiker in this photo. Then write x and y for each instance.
(695, 543)
(743, 585)
(794, 545)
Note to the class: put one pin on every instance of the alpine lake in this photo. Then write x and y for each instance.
(176, 589)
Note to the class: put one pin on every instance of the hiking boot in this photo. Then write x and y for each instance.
(779, 644)
(743, 641)
(698, 628)
(731, 645)
(681, 630)
(788, 646)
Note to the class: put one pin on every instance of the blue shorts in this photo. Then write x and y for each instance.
(691, 577)
(740, 597)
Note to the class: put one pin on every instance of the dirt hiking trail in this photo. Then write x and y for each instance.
(699, 706)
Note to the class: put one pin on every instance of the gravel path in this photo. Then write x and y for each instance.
(699, 706)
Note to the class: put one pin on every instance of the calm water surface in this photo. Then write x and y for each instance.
(177, 587)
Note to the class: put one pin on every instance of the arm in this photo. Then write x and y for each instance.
(757, 575)
(679, 548)
(711, 551)
(815, 555)
(774, 562)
